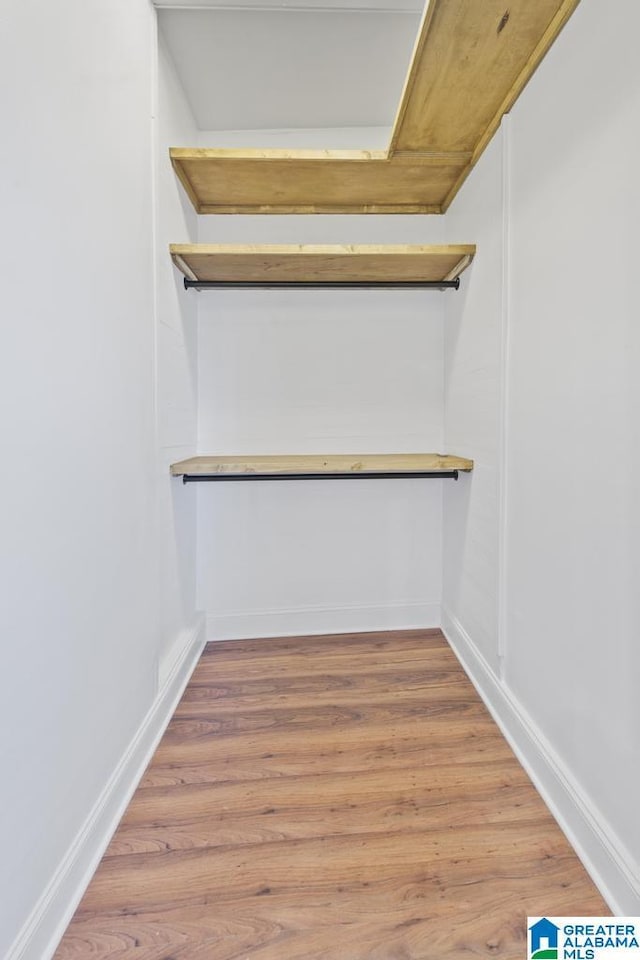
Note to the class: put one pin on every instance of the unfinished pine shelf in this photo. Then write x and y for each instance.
(333, 466)
(471, 61)
(221, 265)
(313, 181)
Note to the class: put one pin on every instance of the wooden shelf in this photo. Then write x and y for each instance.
(314, 181)
(321, 264)
(471, 61)
(314, 465)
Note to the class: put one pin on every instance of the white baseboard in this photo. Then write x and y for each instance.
(41, 933)
(602, 853)
(307, 621)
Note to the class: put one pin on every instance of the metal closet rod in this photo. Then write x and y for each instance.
(321, 284)
(363, 475)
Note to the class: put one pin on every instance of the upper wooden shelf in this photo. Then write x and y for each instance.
(471, 61)
(318, 264)
(314, 181)
(317, 465)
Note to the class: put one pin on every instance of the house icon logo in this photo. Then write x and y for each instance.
(543, 940)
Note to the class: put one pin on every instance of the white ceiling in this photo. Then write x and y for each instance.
(256, 64)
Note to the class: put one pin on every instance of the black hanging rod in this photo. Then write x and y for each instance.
(321, 284)
(363, 475)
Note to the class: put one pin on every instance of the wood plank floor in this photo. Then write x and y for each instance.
(343, 798)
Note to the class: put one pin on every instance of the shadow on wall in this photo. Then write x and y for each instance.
(177, 373)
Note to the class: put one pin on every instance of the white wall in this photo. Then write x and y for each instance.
(313, 138)
(276, 67)
(473, 371)
(176, 367)
(323, 372)
(551, 515)
(319, 371)
(83, 632)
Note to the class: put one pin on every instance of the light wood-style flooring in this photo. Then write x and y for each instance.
(341, 797)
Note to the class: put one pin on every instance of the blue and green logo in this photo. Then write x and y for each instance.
(543, 940)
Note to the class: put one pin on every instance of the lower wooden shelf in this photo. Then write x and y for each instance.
(320, 466)
(321, 264)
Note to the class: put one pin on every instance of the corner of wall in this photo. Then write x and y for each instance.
(601, 854)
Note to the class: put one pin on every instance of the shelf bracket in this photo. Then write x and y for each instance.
(355, 475)
(321, 284)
